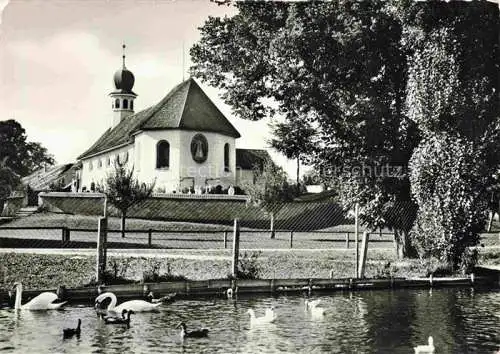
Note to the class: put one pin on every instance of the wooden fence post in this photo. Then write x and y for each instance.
(65, 235)
(150, 237)
(225, 239)
(291, 239)
(364, 249)
(356, 231)
(347, 240)
(101, 249)
(236, 247)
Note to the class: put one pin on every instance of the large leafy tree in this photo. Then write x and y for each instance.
(22, 156)
(123, 191)
(295, 139)
(9, 180)
(270, 190)
(341, 65)
(453, 97)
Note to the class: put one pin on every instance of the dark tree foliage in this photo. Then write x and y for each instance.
(341, 65)
(374, 78)
(295, 139)
(22, 156)
(270, 191)
(9, 181)
(123, 191)
(453, 98)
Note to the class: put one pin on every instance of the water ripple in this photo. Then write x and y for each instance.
(371, 321)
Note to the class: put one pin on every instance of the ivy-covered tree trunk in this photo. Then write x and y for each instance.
(403, 244)
(448, 182)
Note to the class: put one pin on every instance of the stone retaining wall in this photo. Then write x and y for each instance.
(214, 209)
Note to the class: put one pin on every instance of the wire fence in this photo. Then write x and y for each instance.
(64, 237)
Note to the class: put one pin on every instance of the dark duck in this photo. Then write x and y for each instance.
(198, 333)
(70, 332)
(125, 319)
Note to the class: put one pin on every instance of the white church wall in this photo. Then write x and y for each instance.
(96, 169)
(183, 171)
(211, 171)
(146, 142)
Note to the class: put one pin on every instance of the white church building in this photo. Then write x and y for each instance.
(182, 142)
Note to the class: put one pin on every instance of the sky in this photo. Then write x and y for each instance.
(58, 57)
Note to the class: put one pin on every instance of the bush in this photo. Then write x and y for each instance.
(117, 270)
(468, 260)
(248, 267)
(386, 271)
(160, 190)
(152, 272)
(437, 268)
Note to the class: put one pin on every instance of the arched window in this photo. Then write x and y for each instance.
(226, 158)
(99, 163)
(125, 104)
(162, 154)
(117, 103)
(131, 105)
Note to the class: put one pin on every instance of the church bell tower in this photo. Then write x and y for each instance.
(122, 97)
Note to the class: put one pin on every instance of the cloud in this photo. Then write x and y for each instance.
(61, 53)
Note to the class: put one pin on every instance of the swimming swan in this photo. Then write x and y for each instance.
(312, 303)
(429, 348)
(269, 317)
(134, 305)
(270, 314)
(44, 301)
(312, 307)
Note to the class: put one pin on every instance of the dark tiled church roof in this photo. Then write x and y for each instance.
(246, 159)
(185, 107)
(42, 179)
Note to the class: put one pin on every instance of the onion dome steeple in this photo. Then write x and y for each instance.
(123, 96)
(123, 78)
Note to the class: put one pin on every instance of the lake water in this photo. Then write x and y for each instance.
(460, 320)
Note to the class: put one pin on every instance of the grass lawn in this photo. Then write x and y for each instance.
(90, 222)
(42, 271)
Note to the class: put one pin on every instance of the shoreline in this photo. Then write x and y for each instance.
(48, 270)
(189, 289)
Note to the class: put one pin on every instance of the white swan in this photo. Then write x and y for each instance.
(270, 314)
(134, 305)
(312, 307)
(44, 301)
(312, 303)
(269, 317)
(422, 349)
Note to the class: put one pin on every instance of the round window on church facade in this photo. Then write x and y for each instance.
(199, 148)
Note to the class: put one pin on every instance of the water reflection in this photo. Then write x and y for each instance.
(373, 321)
